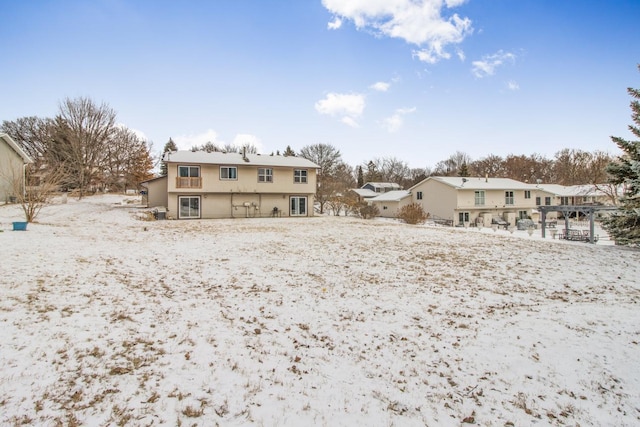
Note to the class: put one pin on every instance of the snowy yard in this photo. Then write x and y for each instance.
(106, 319)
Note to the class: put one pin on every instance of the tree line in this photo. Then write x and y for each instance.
(82, 149)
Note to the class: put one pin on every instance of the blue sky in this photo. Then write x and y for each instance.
(413, 79)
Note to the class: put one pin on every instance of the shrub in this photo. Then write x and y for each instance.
(413, 214)
(366, 211)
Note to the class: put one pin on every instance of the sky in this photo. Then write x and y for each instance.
(417, 80)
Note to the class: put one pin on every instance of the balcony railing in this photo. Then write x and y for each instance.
(188, 182)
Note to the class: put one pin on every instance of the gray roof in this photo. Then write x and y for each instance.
(382, 185)
(15, 147)
(236, 159)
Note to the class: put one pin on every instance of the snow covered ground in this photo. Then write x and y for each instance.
(106, 319)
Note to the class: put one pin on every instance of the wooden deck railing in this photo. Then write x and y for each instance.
(188, 182)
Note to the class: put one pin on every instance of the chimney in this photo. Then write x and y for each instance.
(486, 177)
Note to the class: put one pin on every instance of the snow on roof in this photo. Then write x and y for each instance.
(364, 192)
(482, 183)
(219, 158)
(382, 184)
(556, 189)
(391, 196)
(15, 147)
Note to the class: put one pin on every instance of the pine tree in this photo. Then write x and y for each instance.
(169, 146)
(288, 152)
(360, 182)
(624, 225)
(464, 170)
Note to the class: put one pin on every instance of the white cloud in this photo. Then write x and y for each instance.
(396, 121)
(348, 106)
(245, 138)
(418, 22)
(335, 24)
(349, 121)
(512, 85)
(380, 86)
(185, 142)
(487, 66)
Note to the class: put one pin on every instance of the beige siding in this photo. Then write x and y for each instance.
(438, 200)
(242, 197)
(247, 181)
(157, 193)
(11, 171)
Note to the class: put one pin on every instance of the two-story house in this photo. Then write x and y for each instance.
(475, 200)
(236, 185)
(13, 161)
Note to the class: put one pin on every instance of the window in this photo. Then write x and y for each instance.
(419, 195)
(300, 176)
(527, 194)
(189, 171)
(479, 196)
(523, 215)
(538, 201)
(298, 206)
(463, 217)
(564, 200)
(188, 177)
(547, 201)
(189, 207)
(265, 175)
(228, 172)
(508, 197)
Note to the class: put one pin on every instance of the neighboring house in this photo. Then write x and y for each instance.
(381, 187)
(235, 185)
(573, 195)
(372, 189)
(390, 203)
(13, 162)
(475, 200)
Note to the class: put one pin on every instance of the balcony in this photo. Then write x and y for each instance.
(188, 182)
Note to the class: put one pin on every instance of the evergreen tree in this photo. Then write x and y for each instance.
(624, 225)
(464, 170)
(169, 146)
(360, 182)
(289, 152)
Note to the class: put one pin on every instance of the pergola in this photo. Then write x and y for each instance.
(568, 209)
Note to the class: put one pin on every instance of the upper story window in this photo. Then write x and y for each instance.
(188, 177)
(265, 175)
(538, 201)
(547, 201)
(300, 176)
(527, 194)
(508, 197)
(564, 200)
(419, 195)
(188, 171)
(228, 172)
(479, 198)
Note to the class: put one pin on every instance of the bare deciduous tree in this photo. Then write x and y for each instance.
(33, 187)
(328, 158)
(84, 130)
